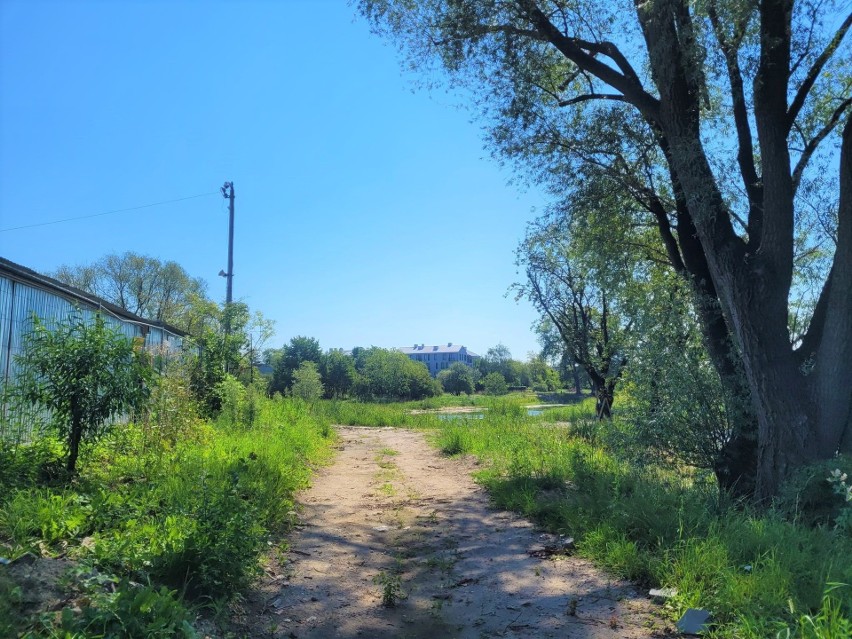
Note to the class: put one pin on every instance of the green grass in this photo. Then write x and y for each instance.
(354, 413)
(757, 572)
(407, 414)
(187, 517)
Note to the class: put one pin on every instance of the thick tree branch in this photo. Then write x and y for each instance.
(665, 230)
(815, 70)
(774, 242)
(745, 153)
(614, 53)
(592, 96)
(813, 336)
(571, 48)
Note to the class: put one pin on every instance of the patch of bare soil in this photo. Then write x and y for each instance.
(393, 522)
(39, 579)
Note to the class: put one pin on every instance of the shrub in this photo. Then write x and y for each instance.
(307, 384)
(232, 398)
(457, 379)
(495, 384)
(129, 610)
(85, 373)
(815, 494)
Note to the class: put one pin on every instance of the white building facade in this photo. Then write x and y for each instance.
(438, 358)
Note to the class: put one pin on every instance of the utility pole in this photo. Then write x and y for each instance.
(228, 193)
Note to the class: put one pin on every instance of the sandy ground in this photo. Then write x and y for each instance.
(393, 517)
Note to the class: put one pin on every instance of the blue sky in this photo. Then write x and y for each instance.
(368, 213)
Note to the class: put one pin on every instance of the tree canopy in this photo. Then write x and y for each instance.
(300, 349)
(457, 379)
(389, 374)
(727, 122)
(141, 284)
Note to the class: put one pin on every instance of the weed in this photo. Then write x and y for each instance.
(571, 610)
(130, 611)
(41, 514)
(443, 564)
(391, 587)
(185, 509)
(452, 441)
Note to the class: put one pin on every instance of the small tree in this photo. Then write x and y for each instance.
(300, 349)
(457, 379)
(85, 373)
(386, 375)
(495, 384)
(307, 383)
(338, 373)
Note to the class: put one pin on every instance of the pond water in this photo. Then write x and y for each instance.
(460, 415)
(532, 412)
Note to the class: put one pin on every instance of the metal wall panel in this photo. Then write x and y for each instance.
(20, 302)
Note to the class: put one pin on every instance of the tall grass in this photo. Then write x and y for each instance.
(352, 413)
(189, 514)
(756, 572)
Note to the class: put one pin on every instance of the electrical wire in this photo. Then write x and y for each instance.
(85, 217)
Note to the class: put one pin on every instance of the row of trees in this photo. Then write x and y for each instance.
(368, 373)
(377, 373)
(164, 291)
(721, 131)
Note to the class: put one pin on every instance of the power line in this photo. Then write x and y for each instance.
(85, 217)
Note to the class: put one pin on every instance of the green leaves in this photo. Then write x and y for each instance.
(85, 373)
(307, 383)
(386, 374)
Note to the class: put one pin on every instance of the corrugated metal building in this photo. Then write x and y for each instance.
(23, 292)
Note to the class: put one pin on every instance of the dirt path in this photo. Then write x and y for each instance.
(392, 518)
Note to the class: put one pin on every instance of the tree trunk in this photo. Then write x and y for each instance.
(832, 370)
(578, 387)
(735, 466)
(604, 392)
(74, 437)
(785, 413)
(752, 278)
(801, 413)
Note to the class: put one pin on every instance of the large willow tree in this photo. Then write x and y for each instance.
(728, 120)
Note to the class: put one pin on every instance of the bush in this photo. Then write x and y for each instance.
(232, 398)
(457, 379)
(86, 374)
(130, 610)
(190, 514)
(40, 514)
(495, 384)
(817, 496)
(307, 384)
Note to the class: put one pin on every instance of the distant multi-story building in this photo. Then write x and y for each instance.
(437, 358)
